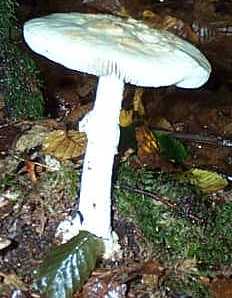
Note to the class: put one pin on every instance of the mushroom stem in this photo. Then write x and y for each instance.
(103, 132)
(103, 137)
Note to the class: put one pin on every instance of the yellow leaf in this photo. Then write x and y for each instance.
(126, 118)
(207, 181)
(65, 145)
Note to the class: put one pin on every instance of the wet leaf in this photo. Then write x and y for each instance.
(207, 181)
(65, 145)
(171, 148)
(68, 266)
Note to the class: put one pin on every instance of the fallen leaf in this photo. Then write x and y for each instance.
(151, 273)
(207, 181)
(126, 118)
(148, 150)
(147, 143)
(68, 266)
(160, 122)
(180, 28)
(171, 148)
(113, 282)
(65, 144)
(31, 138)
(170, 23)
(221, 288)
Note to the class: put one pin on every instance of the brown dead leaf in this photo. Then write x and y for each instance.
(65, 144)
(221, 288)
(160, 122)
(148, 150)
(180, 28)
(146, 141)
(170, 23)
(151, 273)
(106, 282)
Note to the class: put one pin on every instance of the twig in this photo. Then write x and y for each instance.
(218, 141)
(158, 198)
(152, 195)
(34, 162)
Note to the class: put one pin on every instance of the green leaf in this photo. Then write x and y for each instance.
(68, 266)
(171, 148)
(207, 181)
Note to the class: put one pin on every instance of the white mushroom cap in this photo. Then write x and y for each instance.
(104, 45)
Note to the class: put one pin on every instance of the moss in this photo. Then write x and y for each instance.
(194, 227)
(19, 76)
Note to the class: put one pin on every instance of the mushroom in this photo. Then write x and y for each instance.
(118, 51)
